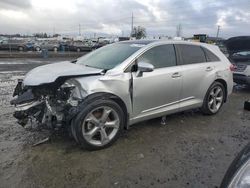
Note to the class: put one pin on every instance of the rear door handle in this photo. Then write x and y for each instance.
(209, 68)
(176, 75)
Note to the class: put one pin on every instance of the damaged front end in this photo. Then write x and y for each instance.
(52, 104)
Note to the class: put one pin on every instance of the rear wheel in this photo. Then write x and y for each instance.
(99, 124)
(214, 99)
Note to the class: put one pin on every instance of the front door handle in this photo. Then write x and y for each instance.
(176, 75)
(209, 68)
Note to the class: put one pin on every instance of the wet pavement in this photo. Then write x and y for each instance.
(191, 150)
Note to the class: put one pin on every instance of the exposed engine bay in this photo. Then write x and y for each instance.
(48, 104)
(49, 95)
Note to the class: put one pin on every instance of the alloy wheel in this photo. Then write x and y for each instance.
(215, 99)
(100, 126)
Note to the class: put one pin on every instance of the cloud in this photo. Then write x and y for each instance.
(113, 17)
(15, 4)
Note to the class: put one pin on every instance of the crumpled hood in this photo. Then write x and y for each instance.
(49, 73)
(237, 44)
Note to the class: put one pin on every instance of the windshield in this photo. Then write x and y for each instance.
(109, 56)
(242, 53)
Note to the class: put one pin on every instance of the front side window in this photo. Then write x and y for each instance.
(191, 54)
(160, 56)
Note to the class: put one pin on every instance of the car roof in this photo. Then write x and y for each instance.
(157, 41)
(147, 44)
(139, 41)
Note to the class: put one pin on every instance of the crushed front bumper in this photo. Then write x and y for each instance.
(26, 105)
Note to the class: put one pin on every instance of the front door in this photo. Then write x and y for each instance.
(158, 91)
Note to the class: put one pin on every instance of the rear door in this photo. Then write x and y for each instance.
(198, 74)
(157, 91)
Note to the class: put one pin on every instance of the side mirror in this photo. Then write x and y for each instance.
(144, 67)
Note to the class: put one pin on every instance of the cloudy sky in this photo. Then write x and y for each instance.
(113, 17)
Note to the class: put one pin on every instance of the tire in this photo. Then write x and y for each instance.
(20, 48)
(73, 131)
(247, 105)
(87, 121)
(212, 104)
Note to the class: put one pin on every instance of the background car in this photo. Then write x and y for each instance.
(80, 46)
(48, 45)
(239, 54)
(15, 45)
(238, 173)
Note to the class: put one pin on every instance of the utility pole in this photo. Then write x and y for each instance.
(53, 30)
(79, 29)
(179, 30)
(132, 24)
(218, 31)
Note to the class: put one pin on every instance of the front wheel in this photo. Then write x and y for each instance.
(214, 99)
(99, 124)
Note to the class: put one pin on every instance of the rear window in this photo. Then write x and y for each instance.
(211, 57)
(191, 54)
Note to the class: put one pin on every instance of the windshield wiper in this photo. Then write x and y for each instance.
(103, 70)
(74, 61)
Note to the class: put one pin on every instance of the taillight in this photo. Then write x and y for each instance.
(233, 67)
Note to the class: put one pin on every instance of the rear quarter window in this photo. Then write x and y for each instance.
(211, 57)
(191, 54)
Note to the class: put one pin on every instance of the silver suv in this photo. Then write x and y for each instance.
(239, 54)
(102, 93)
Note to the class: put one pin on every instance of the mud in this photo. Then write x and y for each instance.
(191, 150)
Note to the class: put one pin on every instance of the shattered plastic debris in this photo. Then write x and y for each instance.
(140, 156)
(41, 142)
(164, 120)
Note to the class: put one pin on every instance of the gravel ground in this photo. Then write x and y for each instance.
(191, 150)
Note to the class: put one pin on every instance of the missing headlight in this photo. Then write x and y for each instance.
(64, 92)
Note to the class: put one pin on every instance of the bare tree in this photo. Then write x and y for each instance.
(139, 32)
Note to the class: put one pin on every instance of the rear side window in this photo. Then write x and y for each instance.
(160, 56)
(191, 54)
(211, 57)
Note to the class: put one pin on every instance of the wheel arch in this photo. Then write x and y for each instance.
(111, 96)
